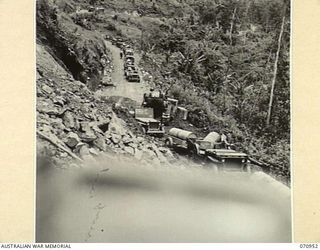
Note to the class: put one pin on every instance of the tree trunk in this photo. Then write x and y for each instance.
(275, 72)
(232, 23)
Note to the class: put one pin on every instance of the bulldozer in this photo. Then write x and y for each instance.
(164, 108)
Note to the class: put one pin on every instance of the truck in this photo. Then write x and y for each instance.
(133, 76)
(149, 125)
(128, 58)
(128, 52)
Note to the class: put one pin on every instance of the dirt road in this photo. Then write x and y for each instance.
(132, 90)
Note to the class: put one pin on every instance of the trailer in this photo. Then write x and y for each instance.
(228, 160)
(180, 138)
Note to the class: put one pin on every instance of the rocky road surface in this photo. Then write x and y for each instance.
(122, 87)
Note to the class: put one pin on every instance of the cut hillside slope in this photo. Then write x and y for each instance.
(80, 51)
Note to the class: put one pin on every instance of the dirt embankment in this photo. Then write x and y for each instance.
(81, 52)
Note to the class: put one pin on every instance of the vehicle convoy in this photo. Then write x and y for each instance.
(210, 149)
(130, 70)
(149, 125)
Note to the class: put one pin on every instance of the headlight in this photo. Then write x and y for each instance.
(223, 160)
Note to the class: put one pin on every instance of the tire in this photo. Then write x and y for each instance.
(144, 130)
(194, 150)
(168, 142)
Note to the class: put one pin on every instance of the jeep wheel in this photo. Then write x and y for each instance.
(143, 129)
(168, 143)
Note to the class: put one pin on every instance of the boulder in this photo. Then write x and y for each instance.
(126, 139)
(68, 119)
(82, 149)
(72, 140)
(115, 138)
(87, 134)
(57, 123)
(129, 150)
(47, 89)
(93, 151)
(107, 135)
(100, 143)
(58, 100)
(121, 144)
(140, 139)
(133, 145)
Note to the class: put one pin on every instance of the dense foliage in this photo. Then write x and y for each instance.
(221, 60)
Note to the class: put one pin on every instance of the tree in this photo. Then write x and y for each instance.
(275, 72)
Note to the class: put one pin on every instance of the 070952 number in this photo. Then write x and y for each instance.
(308, 245)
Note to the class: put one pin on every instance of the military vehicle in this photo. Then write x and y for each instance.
(130, 68)
(133, 76)
(145, 118)
(127, 64)
(128, 58)
(157, 101)
(128, 52)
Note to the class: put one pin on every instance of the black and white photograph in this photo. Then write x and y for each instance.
(163, 121)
